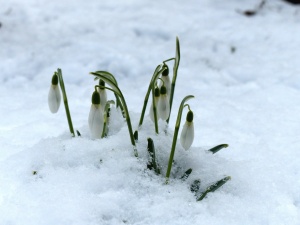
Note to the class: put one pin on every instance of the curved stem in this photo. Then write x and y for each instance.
(161, 80)
(187, 106)
(113, 79)
(156, 73)
(105, 88)
(177, 125)
(62, 86)
(167, 60)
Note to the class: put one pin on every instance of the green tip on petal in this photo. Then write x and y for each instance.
(96, 98)
(163, 90)
(54, 79)
(166, 71)
(190, 116)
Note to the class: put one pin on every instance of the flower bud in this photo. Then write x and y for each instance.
(54, 96)
(96, 117)
(187, 133)
(163, 105)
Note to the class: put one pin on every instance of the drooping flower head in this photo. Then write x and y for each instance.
(96, 116)
(187, 133)
(54, 96)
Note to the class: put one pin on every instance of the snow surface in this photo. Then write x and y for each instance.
(244, 72)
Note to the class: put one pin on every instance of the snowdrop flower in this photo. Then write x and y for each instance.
(102, 92)
(156, 99)
(54, 96)
(163, 105)
(96, 116)
(187, 133)
(166, 79)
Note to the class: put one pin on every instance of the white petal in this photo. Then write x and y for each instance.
(187, 135)
(163, 107)
(103, 98)
(96, 121)
(54, 98)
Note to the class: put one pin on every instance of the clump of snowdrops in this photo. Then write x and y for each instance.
(162, 90)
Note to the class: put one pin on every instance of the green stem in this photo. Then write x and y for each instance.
(177, 126)
(156, 73)
(154, 109)
(175, 70)
(117, 91)
(62, 86)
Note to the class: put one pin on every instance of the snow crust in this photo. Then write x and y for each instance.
(243, 71)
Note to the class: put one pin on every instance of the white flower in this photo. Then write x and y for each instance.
(187, 133)
(54, 96)
(96, 117)
(163, 105)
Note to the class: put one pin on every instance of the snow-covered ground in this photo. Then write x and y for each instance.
(243, 71)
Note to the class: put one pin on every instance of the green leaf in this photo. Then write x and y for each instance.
(213, 187)
(111, 82)
(151, 151)
(186, 174)
(177, 54)
(108, 75)
(218, 148)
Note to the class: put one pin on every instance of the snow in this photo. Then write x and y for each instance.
(243, 71)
